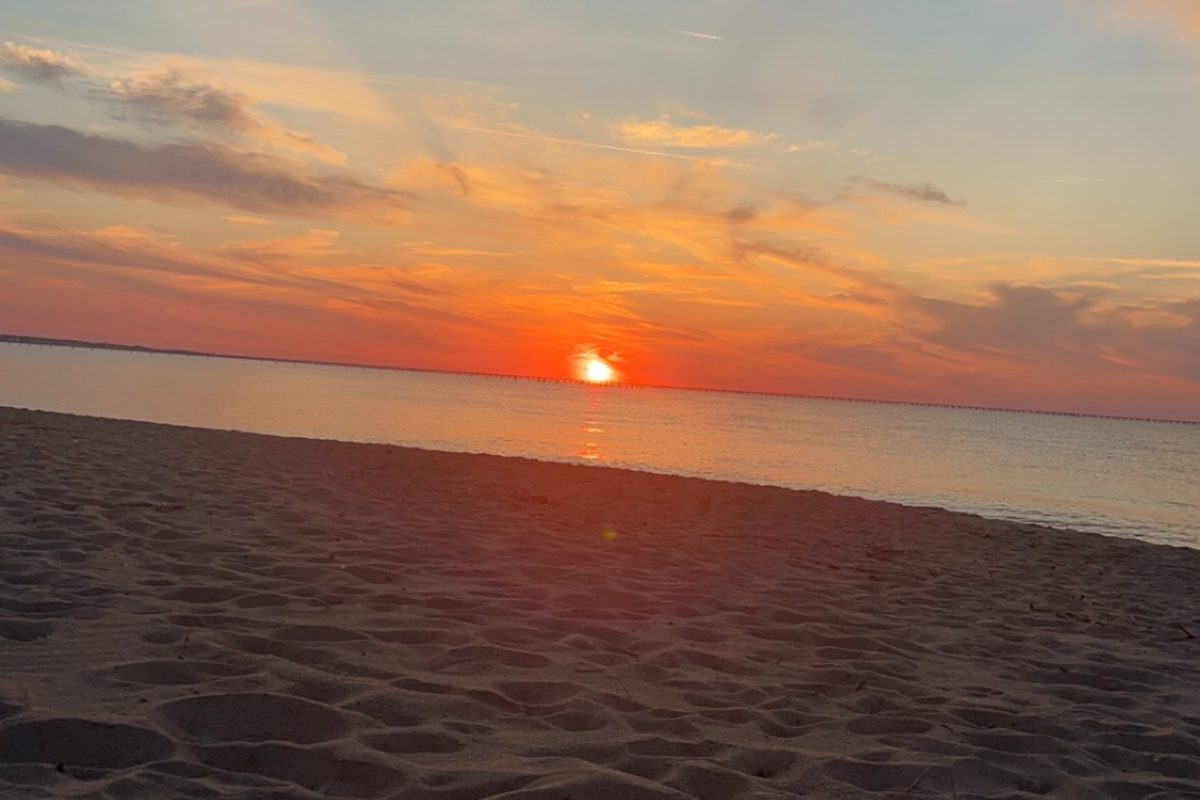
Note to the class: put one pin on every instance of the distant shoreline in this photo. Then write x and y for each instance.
(46, 341)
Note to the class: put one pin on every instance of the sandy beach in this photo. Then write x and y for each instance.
(188, 613)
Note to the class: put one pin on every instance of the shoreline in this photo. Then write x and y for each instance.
(186, 610)
(1126, 534)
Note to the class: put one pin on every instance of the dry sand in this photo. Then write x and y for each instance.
(191, 613)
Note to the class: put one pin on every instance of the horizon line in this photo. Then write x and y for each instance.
(49, 341)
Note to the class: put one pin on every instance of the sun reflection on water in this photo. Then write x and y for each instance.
(591, 446)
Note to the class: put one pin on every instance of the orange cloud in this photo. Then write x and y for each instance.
(1177, 19)
(664, 132)
(313, 245)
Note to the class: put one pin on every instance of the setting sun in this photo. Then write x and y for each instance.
(597, 370)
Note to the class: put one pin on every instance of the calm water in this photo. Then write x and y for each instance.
(1126, 478)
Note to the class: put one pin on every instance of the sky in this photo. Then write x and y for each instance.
(987, 203)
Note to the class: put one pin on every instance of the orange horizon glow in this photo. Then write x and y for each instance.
(300, 191)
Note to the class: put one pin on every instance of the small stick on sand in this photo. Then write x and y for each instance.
(920, 778)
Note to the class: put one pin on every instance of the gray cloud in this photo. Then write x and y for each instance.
(168, 97)
(922, 192)
(1074, 329)
(867, 285)
(740, 214)
(1068, 327)
(1018, 319)
(1174, 349)
(172, 98)
(458, 174)
(38, 64)
(188, 171)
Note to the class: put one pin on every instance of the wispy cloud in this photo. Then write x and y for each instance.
(7, 86)
(521, 134)
(314, 244)
(811, 146)
(169, 97)
(712, 37)
(921, 192)
(1185, 263)
(250, 182)
(341, 92)
(435, 251)
(828, 150)
(665, 132)
(120, 247)
(38, 64)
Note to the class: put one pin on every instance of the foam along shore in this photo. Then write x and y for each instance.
(197, 613)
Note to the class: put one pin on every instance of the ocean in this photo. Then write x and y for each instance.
(1130, 478)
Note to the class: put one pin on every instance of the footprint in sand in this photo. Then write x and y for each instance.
(252, 717)
(314, 768)
(82, 743)
(170, 673)
(17, 630)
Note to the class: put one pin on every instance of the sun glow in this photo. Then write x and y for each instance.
(597, 370)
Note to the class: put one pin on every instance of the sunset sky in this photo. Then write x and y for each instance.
(992, 202)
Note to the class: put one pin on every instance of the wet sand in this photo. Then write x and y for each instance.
(188, 613)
